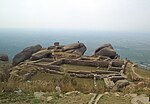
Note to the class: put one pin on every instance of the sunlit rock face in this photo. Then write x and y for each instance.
(106, 50)
(41, 54)
(76, 48)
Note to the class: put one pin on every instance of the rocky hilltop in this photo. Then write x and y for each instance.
(64, 68)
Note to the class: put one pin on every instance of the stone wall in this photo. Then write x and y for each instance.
(58, 62)
(102, 64)
(49, 66)
(105, 72)
(117, 63)
(118, 69)
(116, 78)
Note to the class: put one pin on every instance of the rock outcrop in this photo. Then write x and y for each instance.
(76, 48)
(106, 50)
(41, 54)
(26, 54)
(120, 84)
(4, 57)
(56, 47)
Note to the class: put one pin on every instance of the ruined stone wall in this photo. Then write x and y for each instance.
(102, 64)
(117, 63)
(118, 69)
(58, 62)
(48, 66)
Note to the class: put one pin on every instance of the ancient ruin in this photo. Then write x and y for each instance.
(103, 65)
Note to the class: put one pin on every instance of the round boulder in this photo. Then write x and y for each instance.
(120, 84)
(26, 54)
(106, 50)
(41, 54)
(75, 48)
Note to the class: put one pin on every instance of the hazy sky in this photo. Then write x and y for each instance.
(103, 15)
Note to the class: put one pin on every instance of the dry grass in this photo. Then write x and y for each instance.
(47, 82)
(4, 70)
(139, 86)
(18, 98)
(27, 86)
(68, 83)
(112, 99)
(75, 99)
(142, 72)
(142, 87)
(68, 67)
(130, 75)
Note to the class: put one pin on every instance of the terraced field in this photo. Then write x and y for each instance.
(68, 83)
(69, 67)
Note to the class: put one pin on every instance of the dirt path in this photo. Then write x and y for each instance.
(139, 76)
(98, 98)
(132, 68)
(95, 98)
(92, 99)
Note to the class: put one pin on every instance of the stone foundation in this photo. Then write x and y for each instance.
(118, 69)
(101, 64)
(116, 78)
(117, 63)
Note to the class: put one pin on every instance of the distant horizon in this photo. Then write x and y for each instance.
(135, 46)
(77, 30)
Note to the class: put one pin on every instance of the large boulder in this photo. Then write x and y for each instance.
(26, 54)
(4, 57)
(41, 54)
(76, 48)
(120, 84)
(106, 50)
